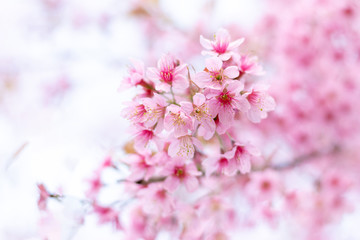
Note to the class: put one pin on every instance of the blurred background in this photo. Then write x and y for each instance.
(61, 94)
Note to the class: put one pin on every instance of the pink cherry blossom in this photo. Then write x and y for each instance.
(260, 103)
(200, 112)
(156, 199)
(224, 102)
(221, 46)
(44, 195)
(142, 166)
(242, 155)
(144, 136)
(170, 74)
(214, 75)
(249, 64)
(150, 111)
(221, 163)
(177, 171)
(184, 147)
(107, 214)
(136, 73)
(176, 119)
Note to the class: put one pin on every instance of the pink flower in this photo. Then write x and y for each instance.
(200, 112)
(221, 164)
(214, 75)
(249, 65)
(107, 214)
(156, 199)
(260, 103)
(242, 157)
(95, 185)
(184, 147)
(143, 136)
(44, 195)
(221, 46)
(149, 112)
(224, 102)
(141, 165)
(176, 119)
(136, 73)
(177, 171)
(170, 74)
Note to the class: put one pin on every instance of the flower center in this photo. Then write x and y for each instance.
(179, 172)
(224, 98)
(167, 75)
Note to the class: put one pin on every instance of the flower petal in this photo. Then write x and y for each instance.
(191, 183)
(231, 72)
(206, 43)
(213, 64)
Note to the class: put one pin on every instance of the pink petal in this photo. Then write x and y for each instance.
(236, 43)
(244, 164)
(213, 64)
(174, 148)
(171, 183)
(181, 69)
(187, 107)
(241, 104)
(180, 82)
(231, 72)
(254, 115)
(199, 99)
(230, 169)
(191, 183)
(225, 56)
(202, 79)
(197, 143)
(235, 86)
(206, 43)
(226, 116)
(223, 36)
(153, 74)
(210, 53)
(206, 133)
(269, 103)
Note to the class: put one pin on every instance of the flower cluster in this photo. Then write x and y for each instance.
(184, 122)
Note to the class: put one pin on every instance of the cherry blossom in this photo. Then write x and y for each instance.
(176, 119)
(224, 102)
(214, 75)
(221, 46)
(177, 172)
(200, 112)
(170, 73)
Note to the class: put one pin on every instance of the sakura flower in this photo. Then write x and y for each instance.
(177, 120)
(107, 215)
(156, 199)
(136, 73)
(221, 46)
(214, 75)
(200, 112)
(260, 103)
(95, 185)
(177, 171)
(170, 74)
(221, 164)
(150, 111)
(141, 166)
(242, 155)
(249, 65)
(144, 136)
(44, 195)
(224, 102)
(184, 147)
